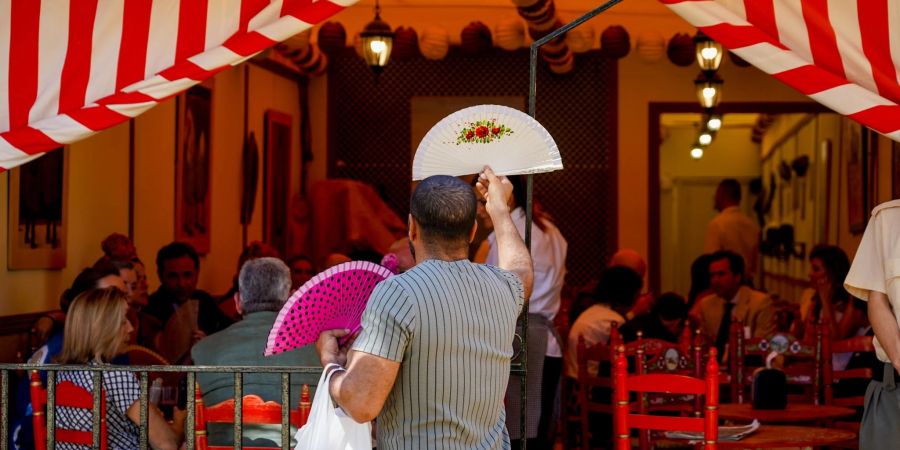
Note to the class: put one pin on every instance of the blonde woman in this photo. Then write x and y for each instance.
(97, 330)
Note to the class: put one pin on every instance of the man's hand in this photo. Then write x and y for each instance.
(495, 190)
(330, 351)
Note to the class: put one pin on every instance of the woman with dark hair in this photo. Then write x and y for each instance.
(827, 301)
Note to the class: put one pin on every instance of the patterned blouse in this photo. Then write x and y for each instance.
(122, 390)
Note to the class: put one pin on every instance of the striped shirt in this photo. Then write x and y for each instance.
(451, 326)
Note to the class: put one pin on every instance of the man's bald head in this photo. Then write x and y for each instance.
(631, 259)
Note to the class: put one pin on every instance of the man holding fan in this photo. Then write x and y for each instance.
(433, 358)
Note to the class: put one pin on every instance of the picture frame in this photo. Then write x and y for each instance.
(854, 148)
(193, 152)
(277, 176)
(38, 213)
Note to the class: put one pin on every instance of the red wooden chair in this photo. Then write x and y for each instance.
(861, 375)
(658, 356)
(581, 401)
(625, 420)
(253, 409)
(68, 395)
(804, 360)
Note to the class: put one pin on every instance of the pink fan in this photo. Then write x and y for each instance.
(335, 298)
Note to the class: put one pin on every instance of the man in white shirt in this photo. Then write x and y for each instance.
(548, 252)
(731, 229)
(875, 278)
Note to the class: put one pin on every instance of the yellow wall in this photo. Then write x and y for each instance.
(98, 189)
(641, 83)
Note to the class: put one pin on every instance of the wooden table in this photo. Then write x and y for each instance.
(797, 413)
(782, 436)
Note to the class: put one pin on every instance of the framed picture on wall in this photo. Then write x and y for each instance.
(854, 148)
(895, 170)
(193, 149)
(277, 178)
(38, 213)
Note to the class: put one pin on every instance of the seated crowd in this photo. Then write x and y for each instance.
(185, 325)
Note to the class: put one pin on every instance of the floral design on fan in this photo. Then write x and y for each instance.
(482, 132)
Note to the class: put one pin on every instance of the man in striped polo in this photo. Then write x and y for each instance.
(433, 358)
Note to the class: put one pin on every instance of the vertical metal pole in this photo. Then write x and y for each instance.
(4, 409)
(238, 408)
(97, 388)
(190, 420)
(51, 410)
(285, 410)
(144, 412)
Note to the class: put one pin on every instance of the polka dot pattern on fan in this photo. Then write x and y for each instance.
(333, 299)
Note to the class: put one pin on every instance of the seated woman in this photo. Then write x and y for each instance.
(829, 303)
(90, 339)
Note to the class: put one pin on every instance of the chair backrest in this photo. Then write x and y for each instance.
(253, 410)
(580, 394)
(852, 345)
(804, 363)
(659, 356)
(625, 420)
(68, 395)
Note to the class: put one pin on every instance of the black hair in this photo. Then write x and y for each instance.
(176, 250)
(618, 287)
(670, 306)
(735, 261)
(444, 208)
(836, 264)
(731, 189)
(86, 280)
(699, 277)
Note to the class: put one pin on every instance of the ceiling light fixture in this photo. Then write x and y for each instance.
(377, 41)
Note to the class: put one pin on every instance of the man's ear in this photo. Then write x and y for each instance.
(413, 228)
(474, 230)
(237, 303)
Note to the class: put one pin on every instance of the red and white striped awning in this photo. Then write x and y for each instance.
(71, 68)
(844, 54)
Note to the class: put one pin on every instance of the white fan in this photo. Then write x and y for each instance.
(508, 140)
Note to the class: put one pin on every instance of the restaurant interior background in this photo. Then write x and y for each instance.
(625, 128)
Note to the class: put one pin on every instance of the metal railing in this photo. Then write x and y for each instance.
(143, 377)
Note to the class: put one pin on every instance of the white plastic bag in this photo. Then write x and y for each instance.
(328, 426)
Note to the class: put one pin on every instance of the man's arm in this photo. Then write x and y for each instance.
(885, 325)
(512, 253)
(362, 389)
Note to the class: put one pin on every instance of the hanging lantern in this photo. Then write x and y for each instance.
(475, 38)
(377, 40)
(332, 37)
(406, 44)
(509, 34)
(681, 50)
(709, 89)
(614, 42)
(434, 43)
(713, 121)
(709, 52)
